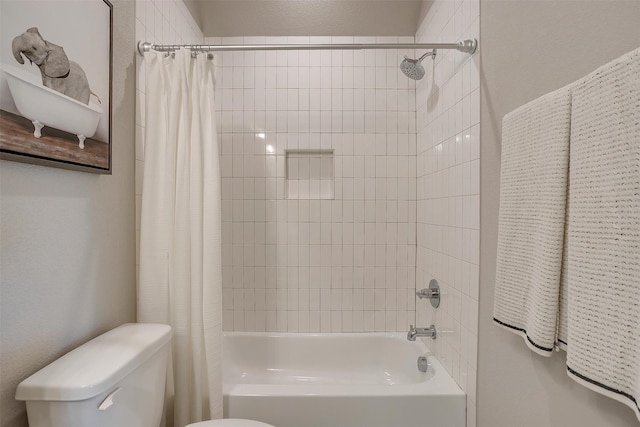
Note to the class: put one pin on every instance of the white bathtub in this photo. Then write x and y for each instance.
(47, 107)
(337, 380)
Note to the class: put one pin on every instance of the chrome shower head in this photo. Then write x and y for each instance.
(413, 68)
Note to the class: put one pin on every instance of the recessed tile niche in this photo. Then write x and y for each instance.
(309, 174)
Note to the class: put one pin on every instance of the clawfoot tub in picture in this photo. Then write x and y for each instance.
(46, 107)
(43, 105)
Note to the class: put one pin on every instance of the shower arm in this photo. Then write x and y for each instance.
(432, 54)
(467, 46)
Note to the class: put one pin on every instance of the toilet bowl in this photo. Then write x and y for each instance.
(114, 380)
(230, 422)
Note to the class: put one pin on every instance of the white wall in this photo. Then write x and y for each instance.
(448, 191)
(337, 265)
(67, 245)
(306, 17)
(529, 49)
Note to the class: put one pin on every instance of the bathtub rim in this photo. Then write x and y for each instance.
(402, 335)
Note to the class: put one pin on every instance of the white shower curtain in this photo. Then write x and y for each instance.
(180, 280)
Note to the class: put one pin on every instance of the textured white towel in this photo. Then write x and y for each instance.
(533, 186)
(603, 232)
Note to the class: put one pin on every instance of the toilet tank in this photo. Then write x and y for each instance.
(114, 380)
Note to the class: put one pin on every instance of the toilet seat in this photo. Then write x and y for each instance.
(230, 422)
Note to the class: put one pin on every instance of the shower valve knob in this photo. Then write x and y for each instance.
(431, 293)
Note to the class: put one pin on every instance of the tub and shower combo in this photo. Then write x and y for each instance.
(337, 380)
(46, 107)
(341, 380)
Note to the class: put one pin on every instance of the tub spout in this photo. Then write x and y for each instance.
(421, 332)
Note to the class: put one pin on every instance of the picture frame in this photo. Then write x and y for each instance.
(55, 86)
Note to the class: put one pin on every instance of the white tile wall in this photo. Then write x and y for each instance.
(157, 21)
(448, 157)
(339, 265)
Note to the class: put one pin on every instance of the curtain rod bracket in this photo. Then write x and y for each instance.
(144, 47)
(468, 46)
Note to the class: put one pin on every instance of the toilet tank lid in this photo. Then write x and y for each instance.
(97, 365)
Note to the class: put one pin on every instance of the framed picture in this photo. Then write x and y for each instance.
(55, 83)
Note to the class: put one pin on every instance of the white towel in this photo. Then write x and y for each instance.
(603, 232)
(533, 185)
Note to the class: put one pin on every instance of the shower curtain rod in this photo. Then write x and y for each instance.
(468, 46)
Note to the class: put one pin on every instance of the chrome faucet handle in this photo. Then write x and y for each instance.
(427, 293)
(432, 293)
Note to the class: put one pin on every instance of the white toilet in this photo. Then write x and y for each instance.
(114, 380)
(230, 422)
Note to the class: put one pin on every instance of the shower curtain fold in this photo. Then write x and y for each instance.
(180, 281)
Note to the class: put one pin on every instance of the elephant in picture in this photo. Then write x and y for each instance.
(58, 73)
